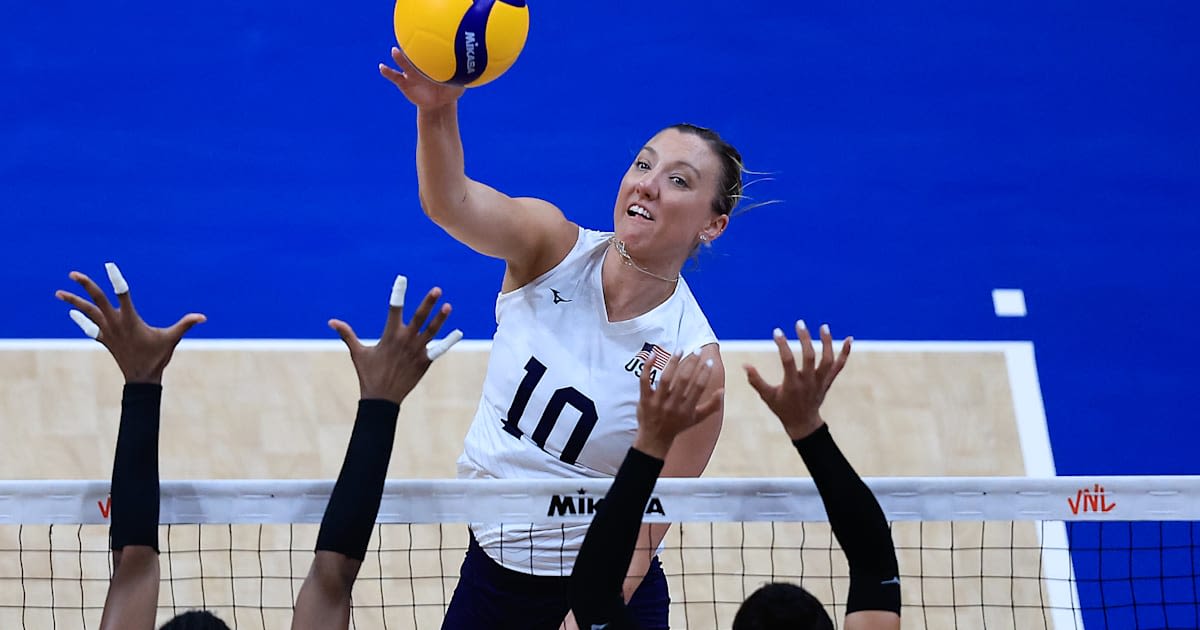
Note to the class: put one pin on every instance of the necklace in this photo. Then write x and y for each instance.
(625, 258)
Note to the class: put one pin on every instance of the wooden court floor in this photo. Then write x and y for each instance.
(284, 410)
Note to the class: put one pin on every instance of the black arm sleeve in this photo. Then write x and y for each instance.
(857, 522)
(354, 504)
(135, 498)
(604, 557)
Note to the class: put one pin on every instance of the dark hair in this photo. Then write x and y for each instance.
(195, 620)
(729, 186)
(780, 606)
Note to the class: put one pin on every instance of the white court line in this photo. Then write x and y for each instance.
(220, 345)
(865, 345)
(1030, 412)
(1009, 303)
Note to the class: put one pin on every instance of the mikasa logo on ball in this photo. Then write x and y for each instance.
(470, 43)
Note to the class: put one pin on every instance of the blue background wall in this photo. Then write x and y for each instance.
(249, 162)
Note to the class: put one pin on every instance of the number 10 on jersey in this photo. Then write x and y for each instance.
(563, 396)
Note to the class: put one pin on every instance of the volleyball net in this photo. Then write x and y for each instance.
(1065, 552)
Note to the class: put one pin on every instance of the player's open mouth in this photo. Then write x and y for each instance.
(638, 211)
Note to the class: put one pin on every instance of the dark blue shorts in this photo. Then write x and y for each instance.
(491, 596)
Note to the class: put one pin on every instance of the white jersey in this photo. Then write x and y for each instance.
(561, 393)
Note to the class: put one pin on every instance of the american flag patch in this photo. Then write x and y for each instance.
(654, 355)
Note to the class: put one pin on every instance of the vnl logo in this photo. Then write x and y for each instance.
(1090, 500)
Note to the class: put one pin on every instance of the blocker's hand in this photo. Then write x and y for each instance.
(797, 400)
(674, 405)
(141, 351)
(390, 369)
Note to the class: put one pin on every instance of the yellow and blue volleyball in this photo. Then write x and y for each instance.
(462, 42)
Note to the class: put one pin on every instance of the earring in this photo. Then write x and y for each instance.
(703, 237)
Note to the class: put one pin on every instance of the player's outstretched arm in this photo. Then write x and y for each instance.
(854, 514)
(689, 456)
(681, 400)
(531, 235)
(142, 353)
(387, 372)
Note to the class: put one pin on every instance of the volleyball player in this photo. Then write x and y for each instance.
(581, 314)
(387, 372)
(857, 521)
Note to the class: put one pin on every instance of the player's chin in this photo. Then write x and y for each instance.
(636, 242)
(630, 229)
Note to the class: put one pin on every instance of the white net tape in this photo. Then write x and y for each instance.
(681, 500)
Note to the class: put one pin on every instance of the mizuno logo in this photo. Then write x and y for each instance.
(558, 298)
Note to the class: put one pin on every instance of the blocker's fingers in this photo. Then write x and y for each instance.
(711, 405)
(756, 381)
(399, 288)
(843, 357)
(826, 348)
(435, 325)
(87, 307)
(117, 278)
(93, 290)
(422, 314)
(435, 349)
(185, 323)
(807, 357)
(699, 382)
(119, 285)
(667, 375)
(88, 327)
(786, 356)
(395, 317)
(644, 384)
(684, 375)
(346, 333)
(697, 378)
